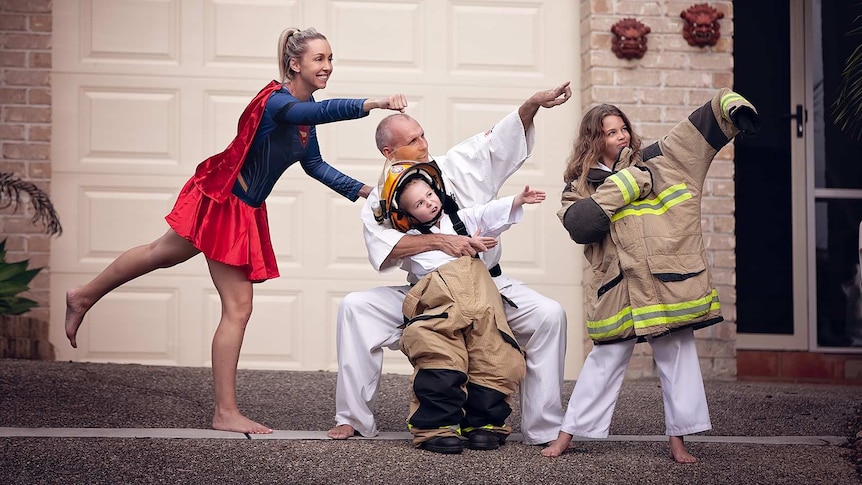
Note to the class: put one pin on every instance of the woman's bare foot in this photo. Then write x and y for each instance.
(76, 308)
(558, 446)
(238, 423)
(341, 432)
(678, 451)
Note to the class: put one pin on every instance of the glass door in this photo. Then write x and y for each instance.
(772, 303)
(834, 181)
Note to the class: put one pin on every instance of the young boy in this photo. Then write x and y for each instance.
(466, 361)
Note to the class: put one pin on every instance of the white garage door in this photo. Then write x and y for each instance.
(143, 90)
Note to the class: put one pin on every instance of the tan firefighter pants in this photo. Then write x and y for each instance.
(466, 362)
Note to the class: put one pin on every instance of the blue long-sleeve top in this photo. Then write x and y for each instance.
(287, 135)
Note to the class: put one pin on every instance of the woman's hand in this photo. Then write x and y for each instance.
(365, 191)
(396, 102)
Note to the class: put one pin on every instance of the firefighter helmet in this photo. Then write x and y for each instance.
(394, 178)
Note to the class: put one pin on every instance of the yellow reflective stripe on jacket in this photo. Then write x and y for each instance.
(627, 184)
(728, 99)
(668, 198)
(609, 327)
(668, 313)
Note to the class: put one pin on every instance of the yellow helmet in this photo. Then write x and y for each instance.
(393, 179)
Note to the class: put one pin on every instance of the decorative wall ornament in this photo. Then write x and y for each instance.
(701, 26)
(630, 41)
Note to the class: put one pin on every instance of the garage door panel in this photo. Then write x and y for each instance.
(134, 126)
(342, 236)
(538, 249)
(139, 127)
(131, 213)
(239, 34)
(396, 48)
(150, 320)
(121, 125)
(108, 214)
(171, 37)
(467, 115)
(131, 32)
(274, 338)
(133, 324)
(554, 139)
(494, 38)
(527, 241)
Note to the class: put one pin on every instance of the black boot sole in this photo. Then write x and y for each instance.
(446, 450)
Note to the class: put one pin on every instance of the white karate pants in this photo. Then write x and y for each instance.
(598, 386)
(368, 321)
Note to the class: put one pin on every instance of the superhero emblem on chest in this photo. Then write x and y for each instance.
(303, 135)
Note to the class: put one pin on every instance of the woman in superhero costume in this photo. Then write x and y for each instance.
(221, 213)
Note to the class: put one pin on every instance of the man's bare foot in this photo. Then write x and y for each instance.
(678, 451)
(341, 432)
(238, 423)
(76, 308)
(558, 446)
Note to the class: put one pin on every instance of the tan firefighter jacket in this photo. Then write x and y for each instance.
(641, 228)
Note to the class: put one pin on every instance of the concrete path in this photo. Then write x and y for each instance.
(64, 422)
(180, 433)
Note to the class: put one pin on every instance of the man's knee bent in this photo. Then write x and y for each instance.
(350, 304)
(544, 315)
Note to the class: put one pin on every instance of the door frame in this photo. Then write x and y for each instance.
(803, 59)
(802, 148)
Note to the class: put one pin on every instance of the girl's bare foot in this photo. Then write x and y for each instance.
(341, 432)
(238, 423)
(76, 308)
(678, 451)
(558, 446)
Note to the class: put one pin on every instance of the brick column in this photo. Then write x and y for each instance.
(25, 128)
(656, 92)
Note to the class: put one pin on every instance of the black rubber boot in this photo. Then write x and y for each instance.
(443, 444)
(482, 439)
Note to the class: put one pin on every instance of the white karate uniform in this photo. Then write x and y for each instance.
(368, 320)
(591, 406)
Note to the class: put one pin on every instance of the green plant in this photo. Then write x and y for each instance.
(15, 279)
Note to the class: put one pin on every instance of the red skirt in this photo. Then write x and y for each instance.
(231, 232)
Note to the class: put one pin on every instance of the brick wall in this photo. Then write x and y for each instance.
(656, 92)
(25, 128)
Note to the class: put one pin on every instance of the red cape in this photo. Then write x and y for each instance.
(216, 175)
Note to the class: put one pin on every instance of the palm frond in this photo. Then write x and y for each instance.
(847, 107)
(11, 188)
